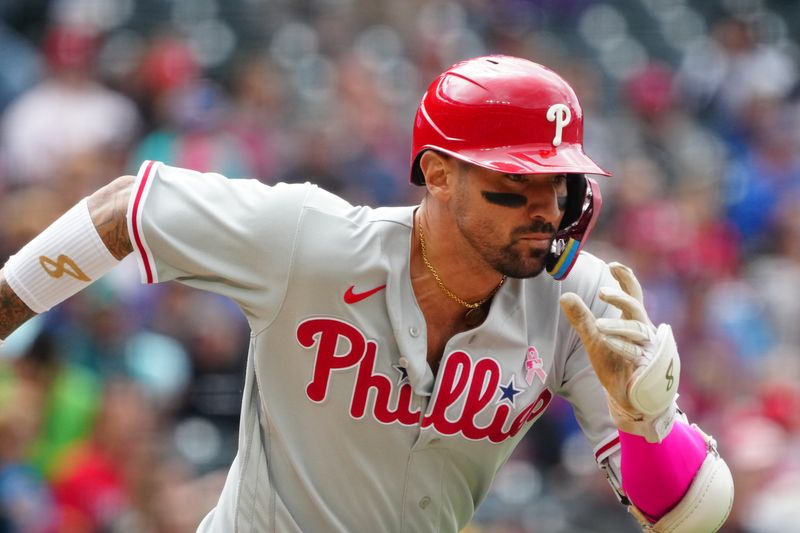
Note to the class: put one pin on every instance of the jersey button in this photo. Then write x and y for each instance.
(424, 502)
(413, 331)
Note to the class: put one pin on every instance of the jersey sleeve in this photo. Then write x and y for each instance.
(580, 385)
(231, 237)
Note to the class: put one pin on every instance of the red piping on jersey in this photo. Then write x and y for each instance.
(135, 222)
(613, 442)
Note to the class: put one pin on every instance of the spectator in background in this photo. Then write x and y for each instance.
(659, 128)
(775, 273)
(192, 134)
(207, 418)
(167, 64)
(189, 116)
(643, 226)
(69, 131)
(26, 503)
(91, 483)
(20, 65)
(255, 116)
(720, 74)
(69, 400)
(351, 148)
(765, 173)
(370, 163)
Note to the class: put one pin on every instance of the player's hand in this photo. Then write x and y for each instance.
(636, 362)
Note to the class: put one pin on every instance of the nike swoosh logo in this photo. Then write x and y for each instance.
(351, 297)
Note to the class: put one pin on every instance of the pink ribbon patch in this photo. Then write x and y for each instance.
(535, 366)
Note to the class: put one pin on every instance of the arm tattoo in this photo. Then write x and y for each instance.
(108, 208)
(13, 311)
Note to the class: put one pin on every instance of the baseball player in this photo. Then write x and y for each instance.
(398, 355)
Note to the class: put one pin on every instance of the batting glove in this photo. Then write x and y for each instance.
(636, 362)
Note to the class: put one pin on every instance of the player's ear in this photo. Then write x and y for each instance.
(438, 170)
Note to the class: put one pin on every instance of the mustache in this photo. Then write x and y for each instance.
(536, 226)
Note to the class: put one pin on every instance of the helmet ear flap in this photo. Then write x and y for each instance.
(576, 192)
(580, 216)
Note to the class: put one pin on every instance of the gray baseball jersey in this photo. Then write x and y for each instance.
(344, 427)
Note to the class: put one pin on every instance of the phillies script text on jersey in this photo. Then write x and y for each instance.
(473, 384)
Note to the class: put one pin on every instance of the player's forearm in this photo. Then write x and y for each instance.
(70, 254)
(13, 311)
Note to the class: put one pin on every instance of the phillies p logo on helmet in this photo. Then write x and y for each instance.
(561, 115)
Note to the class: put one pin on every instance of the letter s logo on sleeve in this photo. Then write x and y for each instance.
(62, 265)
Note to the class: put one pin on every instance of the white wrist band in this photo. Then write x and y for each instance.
(62, 260)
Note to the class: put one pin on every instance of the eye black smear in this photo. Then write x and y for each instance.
(506, 199)
(562, 202)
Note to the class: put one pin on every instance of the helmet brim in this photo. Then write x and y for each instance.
(530, 159)
(533, 159)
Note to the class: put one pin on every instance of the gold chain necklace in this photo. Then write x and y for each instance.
(474, 314)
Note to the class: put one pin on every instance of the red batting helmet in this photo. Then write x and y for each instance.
(517, 117)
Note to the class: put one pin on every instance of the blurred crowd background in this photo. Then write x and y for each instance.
(119, 409)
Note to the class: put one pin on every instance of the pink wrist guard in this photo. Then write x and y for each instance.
(655, 477)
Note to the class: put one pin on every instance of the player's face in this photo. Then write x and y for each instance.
(509, 219)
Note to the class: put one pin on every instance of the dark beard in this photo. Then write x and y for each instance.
(511, 263)
(514, 264)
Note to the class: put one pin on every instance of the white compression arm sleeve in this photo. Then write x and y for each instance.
(62, 260)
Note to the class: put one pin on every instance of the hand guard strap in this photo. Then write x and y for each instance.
(652, 391)
(653, 387)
